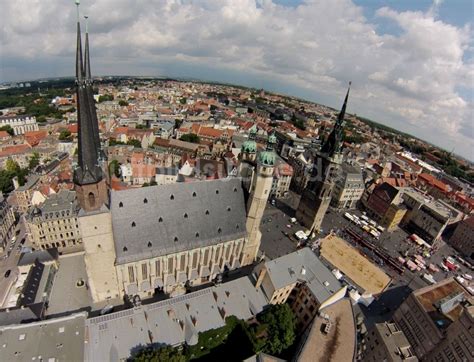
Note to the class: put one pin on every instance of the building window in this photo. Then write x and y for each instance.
(228, 208)
(182, 263)
(217, 192)
(170, 265)
(145, 201)
(131, 274)
(197, 235)
(91, 199)
(185, 215)
(195, 258)
(120, 204)
(160, 219)
(149, 244)
(144, 271)
(172, 197)
(133, 224)
(125, 248)
(175, 239)
(194, 194)
(157, 268)
(219, 230)
(207, 212)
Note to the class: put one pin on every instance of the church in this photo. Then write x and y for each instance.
(161, 238)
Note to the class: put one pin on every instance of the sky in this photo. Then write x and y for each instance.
(411, 63)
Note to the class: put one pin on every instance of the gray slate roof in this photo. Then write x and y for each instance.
(176, 217)
(287, 270)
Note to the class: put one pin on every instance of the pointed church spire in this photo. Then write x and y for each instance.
(79, 64)
(87, 60)
(333, 143)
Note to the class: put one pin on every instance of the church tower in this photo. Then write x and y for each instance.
(259, 192)
(316, 197)
(248, 155)
(95, 219)
(89, 180)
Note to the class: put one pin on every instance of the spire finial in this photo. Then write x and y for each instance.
(87, 23)
(78, 2)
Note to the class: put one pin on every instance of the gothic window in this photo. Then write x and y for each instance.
(194, 194)
(197, 235)
(235, 189)
(228, 208)
(145, 201)
(160, 219)
(149, 244)
(175, 239)
(133, 224)
(125, 248)
(219, 230)
(207, 212)
(217, 192)
(91, 199)
(172, 197)
(185, 215)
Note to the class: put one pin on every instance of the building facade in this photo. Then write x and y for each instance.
(463, 237)
(20, 124)
(437, 321)
(349, 188)
(7, 223)
(282, 176)
(54, 224)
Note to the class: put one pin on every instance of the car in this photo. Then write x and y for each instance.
(7, 273)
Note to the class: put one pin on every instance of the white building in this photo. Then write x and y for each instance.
(20, 124)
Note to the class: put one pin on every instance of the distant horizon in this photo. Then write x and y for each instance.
(197, 80)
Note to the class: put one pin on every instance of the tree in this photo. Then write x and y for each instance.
(183, 100)
(34, 160)
(123, 103)
(190, 137)
(167, 353)
(8, 128)
(114, 168)
(134, 143)
(65, 135)
(106, 97)
(279, 323)
(12, 166)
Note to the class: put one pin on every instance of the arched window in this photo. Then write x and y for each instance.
(228, 208)
(91, 199)
(145, 201)
(185, 215)
(133, 224)
(120, 204)
(160, 219)
(194, 194)
(197, 235)
(219, 230)
(172, 197)
(125, 248)
(207, 212)
(175, 239)
(149, 244)
(217, 192)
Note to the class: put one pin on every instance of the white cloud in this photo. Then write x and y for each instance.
(409, 80)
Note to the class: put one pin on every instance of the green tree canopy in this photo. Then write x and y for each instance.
(7, 128)
(34, 160)
(123, 103)
(163, 354)
(65, 135)
(279, 323)
(114, 168)
(106, 97)
(134, 143)
(190, 137)
(12, 166)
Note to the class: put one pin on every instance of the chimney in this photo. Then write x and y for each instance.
(262, 274)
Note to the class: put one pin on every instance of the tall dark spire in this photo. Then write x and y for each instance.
(333, 143)
(89, 89)
(88, 170)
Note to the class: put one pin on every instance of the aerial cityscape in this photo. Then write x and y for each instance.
(234, 214)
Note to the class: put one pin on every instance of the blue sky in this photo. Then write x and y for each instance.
(411, 62)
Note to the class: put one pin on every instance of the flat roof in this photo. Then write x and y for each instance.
(429, 298)
(354, 265)
(339, 343)
(65, 295)
(61, 339)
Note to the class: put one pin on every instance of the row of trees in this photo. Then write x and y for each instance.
(273, 332)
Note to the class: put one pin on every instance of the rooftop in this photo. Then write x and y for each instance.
(442, 301)
(303, 265)
(159, 220)
(172, 321)
(61, 339)
(354, 265)
(339, 343)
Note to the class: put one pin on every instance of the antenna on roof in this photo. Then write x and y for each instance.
(78, 2)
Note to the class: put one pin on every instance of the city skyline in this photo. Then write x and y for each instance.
(412, 67)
